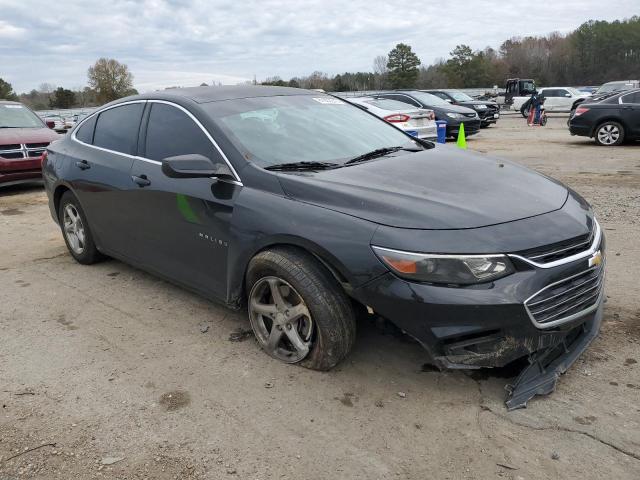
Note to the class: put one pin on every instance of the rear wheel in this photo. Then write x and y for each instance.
(75, 230)
(298, 312)
(609, 134)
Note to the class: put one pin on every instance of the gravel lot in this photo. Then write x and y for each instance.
(108, 372)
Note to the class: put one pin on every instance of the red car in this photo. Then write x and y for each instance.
(24, 138)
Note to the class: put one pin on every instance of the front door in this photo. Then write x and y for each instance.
(184, 222)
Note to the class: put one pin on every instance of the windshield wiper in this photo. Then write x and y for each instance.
(380, 152)
(302, 166)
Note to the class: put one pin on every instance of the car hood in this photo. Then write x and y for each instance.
(27, 135)
(442, 188)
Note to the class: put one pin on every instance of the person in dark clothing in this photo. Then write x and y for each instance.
(535, 106)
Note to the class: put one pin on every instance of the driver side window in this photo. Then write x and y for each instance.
(171, 132)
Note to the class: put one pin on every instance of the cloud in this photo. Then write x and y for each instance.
(186, 42)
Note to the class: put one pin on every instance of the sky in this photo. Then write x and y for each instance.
(187, 42)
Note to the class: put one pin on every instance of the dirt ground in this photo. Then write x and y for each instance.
(108, 372)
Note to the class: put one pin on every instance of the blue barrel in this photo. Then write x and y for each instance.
(442, 131)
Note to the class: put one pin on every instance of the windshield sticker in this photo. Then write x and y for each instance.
(328, 101)
(12, 106)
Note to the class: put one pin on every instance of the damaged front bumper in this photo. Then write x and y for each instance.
(493, 325)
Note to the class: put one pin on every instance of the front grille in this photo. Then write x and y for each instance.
(559, 250)
(567, 299)
(28, 150)
(37, 145)
(11, 146)
(11, 155)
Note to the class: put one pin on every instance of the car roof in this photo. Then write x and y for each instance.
(9, 102)
(227, 92)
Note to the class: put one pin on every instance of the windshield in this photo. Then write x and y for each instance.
(13, 115)
(386, 104)
(302, 128)
(574, 91)
(429, 99)
(613, 87)
(460, 96)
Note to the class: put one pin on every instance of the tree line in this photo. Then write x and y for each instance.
(594, 53)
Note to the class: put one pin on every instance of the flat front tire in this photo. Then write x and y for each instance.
(298, 311)
(75, 230)
(609, 134)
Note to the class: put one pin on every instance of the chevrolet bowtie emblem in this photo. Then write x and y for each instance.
(596, 259)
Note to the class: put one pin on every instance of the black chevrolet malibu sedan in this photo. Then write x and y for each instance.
(309, 210)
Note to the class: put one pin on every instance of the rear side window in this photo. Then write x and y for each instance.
(171, 132)
(631, 98)
(85, 132)
(117, 128)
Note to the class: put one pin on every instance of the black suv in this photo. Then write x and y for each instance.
(609, 121)
(454, 115)
(488, 111)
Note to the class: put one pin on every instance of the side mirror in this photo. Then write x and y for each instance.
(194, 166)
(448, 100)
(51, 124)
(567, 95)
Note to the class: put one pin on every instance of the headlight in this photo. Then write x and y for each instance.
(481, 107)
(455, 115)
(446, 269)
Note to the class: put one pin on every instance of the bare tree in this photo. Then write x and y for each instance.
(380, 65)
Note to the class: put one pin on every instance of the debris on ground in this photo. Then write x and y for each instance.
(240, 335)
(402, 395)
(204, 327)
(111, 460)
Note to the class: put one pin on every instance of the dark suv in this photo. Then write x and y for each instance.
(454, 115)
(488, 111)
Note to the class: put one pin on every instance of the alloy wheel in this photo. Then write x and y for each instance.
(280, 319)
(73, 229)
(608, 134)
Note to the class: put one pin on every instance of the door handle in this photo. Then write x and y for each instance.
(83, 165)
(141, 181)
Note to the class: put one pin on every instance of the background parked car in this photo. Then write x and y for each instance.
(454, 115)
(420, 123)
(605, 90)
(609, 121)
(23, 140)
(55, 122)
(557, 99)
(488, 111)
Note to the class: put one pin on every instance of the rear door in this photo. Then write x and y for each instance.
(184, 222)
(630, 112)
(99, 173)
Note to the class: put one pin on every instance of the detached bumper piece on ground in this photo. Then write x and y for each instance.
(546, 365)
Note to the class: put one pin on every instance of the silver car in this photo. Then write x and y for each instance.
(418, 122)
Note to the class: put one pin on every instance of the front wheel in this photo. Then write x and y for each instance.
(524, 111)
(609, 134)
(298, 312)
